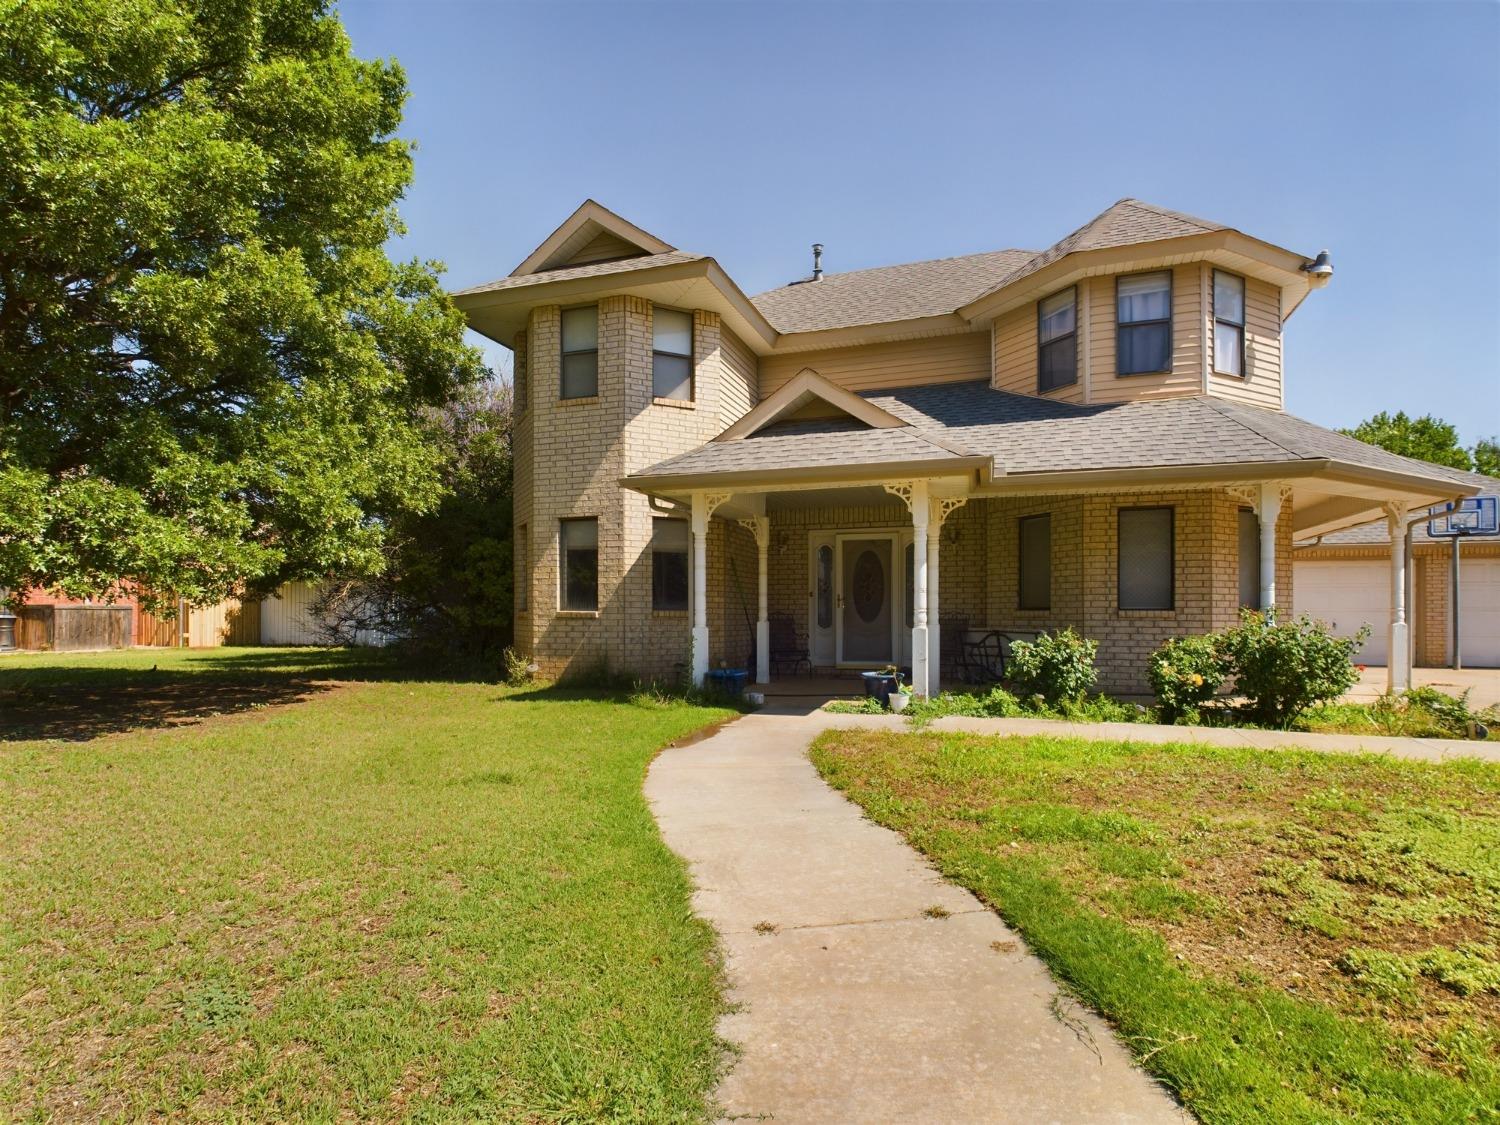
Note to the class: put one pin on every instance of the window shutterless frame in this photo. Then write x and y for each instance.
(1056, 355)
(1034, 561)
(577, 371)
(672, 370)
(1224, 317)
(1122, 328)
(1170, 600)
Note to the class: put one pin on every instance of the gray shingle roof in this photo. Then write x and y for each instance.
(806, 445)
(1376, 534)
(1126, 223)
(1031, 435)
(887, 293)
(593, 269)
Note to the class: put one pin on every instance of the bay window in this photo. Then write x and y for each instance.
(1229, 323)
(1143, 337)
(1057, 340)
(671, 354)
(580, 353)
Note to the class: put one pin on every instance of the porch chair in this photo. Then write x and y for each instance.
(788, 647)
(955, 631)
(984, 659)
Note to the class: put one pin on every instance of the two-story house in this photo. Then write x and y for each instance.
(1090, 435)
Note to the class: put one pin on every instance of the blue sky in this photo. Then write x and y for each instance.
(893, 132)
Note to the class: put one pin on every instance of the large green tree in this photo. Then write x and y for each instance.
(211, 373)
(1487, 456)
(1425, 438)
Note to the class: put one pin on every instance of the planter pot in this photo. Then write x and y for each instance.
(879, 685)
(900, 701)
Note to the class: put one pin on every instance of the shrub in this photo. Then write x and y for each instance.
(1283, 668)
(1185, 673)
(519, 670)
(1055, 666)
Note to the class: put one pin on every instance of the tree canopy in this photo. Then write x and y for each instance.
(1427, 439)
(211, 372)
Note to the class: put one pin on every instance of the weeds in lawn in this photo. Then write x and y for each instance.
(865, 705)
(936, 911)
(1279, 936)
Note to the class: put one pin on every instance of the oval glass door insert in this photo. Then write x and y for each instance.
(868, 586)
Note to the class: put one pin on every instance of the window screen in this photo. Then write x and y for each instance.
(1143, 338)
(1229, 323)
(580, 353)
(579, 543)
(1036, 562)
(1249, 559)
(1146, 558)
(669, 564)
(1057, 340)
(671, 354)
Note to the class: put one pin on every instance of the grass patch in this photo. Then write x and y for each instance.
(394, 898)
(1278, 936)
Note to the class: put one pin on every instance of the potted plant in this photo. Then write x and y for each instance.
(900, 697)
(881, 683)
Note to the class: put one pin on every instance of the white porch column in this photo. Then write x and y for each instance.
(1398, 655)
(704, 504)
(919, 653)
(760, 527)
(939, 508)
(1269, 511)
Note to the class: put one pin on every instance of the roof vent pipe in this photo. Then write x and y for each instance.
(1320, 269)
(817, 261)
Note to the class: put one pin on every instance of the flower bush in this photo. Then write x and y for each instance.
(1055, 666)
(1283, 668)
(1185, 673)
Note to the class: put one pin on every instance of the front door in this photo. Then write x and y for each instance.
(865, 618)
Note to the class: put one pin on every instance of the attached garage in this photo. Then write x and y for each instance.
(1348, 594)
(1479, 604)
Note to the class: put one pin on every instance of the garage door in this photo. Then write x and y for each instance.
(1347, 595)
(1479, 601)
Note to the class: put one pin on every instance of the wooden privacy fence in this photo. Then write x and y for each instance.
(70, 628)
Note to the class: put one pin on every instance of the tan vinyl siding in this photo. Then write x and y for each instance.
(1016, 354)
(901, 363)
(1186, 376)
(741, 378)
(1262, 384)
(603, 247)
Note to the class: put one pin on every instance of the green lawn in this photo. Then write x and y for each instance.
(1279, 936)
(377, 899)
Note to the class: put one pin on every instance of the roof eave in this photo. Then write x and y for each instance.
(821, 476)
(1083, 263)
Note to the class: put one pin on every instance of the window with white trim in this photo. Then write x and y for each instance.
(671, 354)
(1143, 334)
(580, 352)
(1229, 323)
(1057, 340)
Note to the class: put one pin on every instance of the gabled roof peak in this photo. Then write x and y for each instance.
(592, 233)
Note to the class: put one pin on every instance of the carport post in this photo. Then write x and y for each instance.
(1398, 653)
(1453, 577)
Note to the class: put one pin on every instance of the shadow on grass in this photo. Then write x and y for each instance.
(77, 699)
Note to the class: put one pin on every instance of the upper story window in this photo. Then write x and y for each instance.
(671, 353)
(1229, 323)
(1143, 339)
(518, 380)
(580, 352)
(1057, 340)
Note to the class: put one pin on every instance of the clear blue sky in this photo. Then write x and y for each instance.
(893, 132)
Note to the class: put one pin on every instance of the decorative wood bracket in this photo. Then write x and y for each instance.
(760, 527)
(903, 490)
(941, 507)
(712, 500)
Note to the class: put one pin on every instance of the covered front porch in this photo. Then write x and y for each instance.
(806, 584)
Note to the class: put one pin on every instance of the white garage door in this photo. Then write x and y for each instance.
(1479, 602)
(1347, 595)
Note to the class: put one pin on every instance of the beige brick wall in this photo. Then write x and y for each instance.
(570, 457)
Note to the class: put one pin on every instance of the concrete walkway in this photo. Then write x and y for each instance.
(853, 1003)
(1482, 684)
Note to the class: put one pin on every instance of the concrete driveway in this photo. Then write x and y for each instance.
(1482, 684)
(853, 1002)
